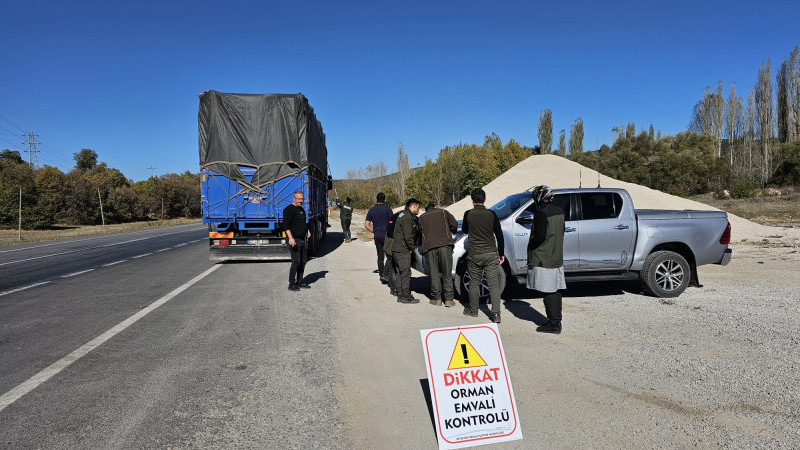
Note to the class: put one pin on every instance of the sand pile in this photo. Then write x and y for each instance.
(558, 172)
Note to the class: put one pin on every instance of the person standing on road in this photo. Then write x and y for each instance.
(546, 256)
(376, 221)
(438, 226)
(485, 253)
(345, 215)
(405, 239)
(391, 267)
(296, 228)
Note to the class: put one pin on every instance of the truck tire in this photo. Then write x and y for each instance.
(462, 286)
(665, 274)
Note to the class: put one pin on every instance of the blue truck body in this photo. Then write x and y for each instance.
(243, 203)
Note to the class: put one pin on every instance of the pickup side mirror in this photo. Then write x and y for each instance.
(330, 183)
(525, 218)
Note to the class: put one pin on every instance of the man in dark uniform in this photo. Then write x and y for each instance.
(345, 215)
(377, 218)
(405, 233)
(390, 269)
(295, 226)
(485, 253)
(438, 226)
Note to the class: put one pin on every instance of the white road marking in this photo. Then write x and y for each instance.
(76, 273)
(36, 380)
(114, 263)
(180, 245)
(162, 250)
(93, 238)
(142, 255)
(23, 288)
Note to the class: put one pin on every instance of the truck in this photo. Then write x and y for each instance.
(256, 151)
(605, 238)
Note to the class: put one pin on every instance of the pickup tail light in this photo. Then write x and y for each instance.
(726, 236)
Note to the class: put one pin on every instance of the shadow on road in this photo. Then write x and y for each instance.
(332, 241)
(426, 391)
(311, 278)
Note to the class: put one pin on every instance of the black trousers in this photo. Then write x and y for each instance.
(390, 272)
(379, 248)
(552, 307)
(402, 261)
(299, 258)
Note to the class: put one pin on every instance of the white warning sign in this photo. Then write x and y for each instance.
(473, 402)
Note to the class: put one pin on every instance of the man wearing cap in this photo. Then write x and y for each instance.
(345, 216)
(438, 226)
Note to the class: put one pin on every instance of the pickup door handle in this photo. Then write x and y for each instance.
(569, 230)
(621, 227)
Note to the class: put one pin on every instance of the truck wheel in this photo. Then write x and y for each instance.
(483, 292)
(665, 274)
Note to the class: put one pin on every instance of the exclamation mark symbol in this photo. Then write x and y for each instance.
(464, 352)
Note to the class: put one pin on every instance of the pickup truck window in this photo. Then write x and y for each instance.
(560, 200)
(601, 205)
(508, 205)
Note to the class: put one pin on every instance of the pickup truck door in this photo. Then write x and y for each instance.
(521, 233)
(608, 231)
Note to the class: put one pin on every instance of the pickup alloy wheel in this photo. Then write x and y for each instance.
(483, 291)
(665, 274)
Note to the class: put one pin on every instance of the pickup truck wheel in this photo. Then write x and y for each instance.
(665, 274)
(483, 292)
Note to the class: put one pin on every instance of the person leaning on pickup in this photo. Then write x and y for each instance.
(546, 256)
(484, 253)
(390, 268)
(438, 226)
(345, 216)
(295, 226)
(405, 233)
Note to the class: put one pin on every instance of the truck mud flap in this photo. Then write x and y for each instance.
(250, 253)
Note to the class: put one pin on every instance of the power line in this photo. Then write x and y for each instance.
(12, 123)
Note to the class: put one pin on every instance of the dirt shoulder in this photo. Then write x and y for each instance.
(719, 366)
(12, 237)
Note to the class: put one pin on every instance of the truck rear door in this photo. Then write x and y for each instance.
(608, 231)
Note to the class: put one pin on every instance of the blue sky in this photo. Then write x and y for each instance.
(123, 78)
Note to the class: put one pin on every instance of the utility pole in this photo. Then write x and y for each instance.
(151, 169)
(102, 216)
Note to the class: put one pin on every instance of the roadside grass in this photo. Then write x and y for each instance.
(781, 211)
(11, 237)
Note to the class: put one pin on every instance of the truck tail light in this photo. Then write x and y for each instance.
(224, 242)
(726, 236)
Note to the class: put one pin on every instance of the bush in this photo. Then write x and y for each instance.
(743, 188)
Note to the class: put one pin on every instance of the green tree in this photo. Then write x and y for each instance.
(16, 174)
(562, 143)
(546, 131)
(576, 137)
(85, 159)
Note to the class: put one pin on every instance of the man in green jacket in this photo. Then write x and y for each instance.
(485, 253)
(345, 215)
(404, 240)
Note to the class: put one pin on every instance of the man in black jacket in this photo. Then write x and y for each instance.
(295, 225)
(485, 254)
(403, 243)
(345, 215)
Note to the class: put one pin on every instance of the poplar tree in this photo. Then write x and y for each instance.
(763, 100)
(402, 171)
(546, 131)
(562, 143)
(783, 105)
(576, 137)
(733, 120)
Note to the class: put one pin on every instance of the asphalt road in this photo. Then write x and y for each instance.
(137, 340)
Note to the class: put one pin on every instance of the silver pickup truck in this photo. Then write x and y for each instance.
(605, 238)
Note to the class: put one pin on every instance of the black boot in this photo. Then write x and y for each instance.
(293, 287)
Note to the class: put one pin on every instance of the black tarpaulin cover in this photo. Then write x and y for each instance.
(278, 134)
